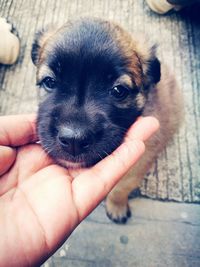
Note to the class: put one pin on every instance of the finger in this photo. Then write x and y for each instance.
(7, 158)
(17, 130)
(143, 128)
(94, 184)
(36, 159)
(29, 160)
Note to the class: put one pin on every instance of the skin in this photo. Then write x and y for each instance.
(42, 203)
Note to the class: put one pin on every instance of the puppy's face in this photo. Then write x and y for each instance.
(95, 81)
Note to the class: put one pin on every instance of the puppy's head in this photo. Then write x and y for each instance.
(96, 80)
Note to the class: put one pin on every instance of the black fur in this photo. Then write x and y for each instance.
(86, 62)
(154, 70)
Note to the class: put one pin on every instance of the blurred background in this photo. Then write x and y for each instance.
(164, 228)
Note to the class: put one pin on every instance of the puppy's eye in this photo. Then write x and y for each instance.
(119, 92)
(48, 83)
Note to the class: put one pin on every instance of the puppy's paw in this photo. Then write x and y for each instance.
(118, 213)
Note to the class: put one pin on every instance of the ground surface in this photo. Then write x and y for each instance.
(160, 233)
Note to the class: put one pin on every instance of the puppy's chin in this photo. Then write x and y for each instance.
(77, 164)
(102, 147)
(71, 165)
(84, 160)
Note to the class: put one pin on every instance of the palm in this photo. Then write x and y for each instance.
(40, 202)
(45, 201)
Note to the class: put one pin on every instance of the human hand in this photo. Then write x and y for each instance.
(41, 203)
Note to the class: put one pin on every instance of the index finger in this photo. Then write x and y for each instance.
(17, 130)
(95, 183)
(142, 129)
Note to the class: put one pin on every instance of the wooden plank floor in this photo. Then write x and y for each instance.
(159, 234)
(176, 174)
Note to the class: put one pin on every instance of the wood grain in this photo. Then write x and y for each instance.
(176, 174)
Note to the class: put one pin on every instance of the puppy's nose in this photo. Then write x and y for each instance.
(74, 140)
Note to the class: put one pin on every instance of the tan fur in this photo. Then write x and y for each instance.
(125, 41)
(137, 49)
(165, 103)
(44, 71)
(45, 38)
(140, 100)
(125, 80)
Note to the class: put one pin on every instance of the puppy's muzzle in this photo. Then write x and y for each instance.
(75, 140)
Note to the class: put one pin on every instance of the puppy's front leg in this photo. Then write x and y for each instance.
(117, 207)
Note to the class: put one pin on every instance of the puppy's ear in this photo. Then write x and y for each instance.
(41, 38)
(36, 47)
(153, 71)
(150, 63)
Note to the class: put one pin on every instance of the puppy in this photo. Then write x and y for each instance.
(97, 80)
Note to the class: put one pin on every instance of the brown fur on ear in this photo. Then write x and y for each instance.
(141, 54)
(148, 59)
(41, 38)
(129, 51)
